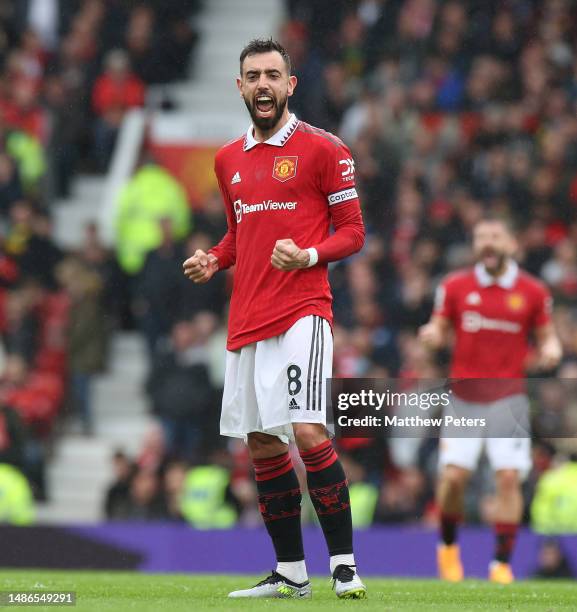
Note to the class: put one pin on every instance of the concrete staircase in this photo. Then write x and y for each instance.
(81, 468)
(225, 27)
(72, 215)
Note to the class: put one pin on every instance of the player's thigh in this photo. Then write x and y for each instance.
(291, 372)
(239, 414)
(460, 452)
(459, 446)
(514, 452)
(510, 454)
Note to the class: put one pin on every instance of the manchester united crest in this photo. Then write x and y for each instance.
(515, 301)
(285, 168)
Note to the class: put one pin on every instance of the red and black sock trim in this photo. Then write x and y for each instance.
(505, 534)
(449, 527)
(320, 457)
(272, 467)
(279, 502)
(329, 492)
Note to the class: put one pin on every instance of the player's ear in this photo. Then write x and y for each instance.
(239, 85)
(292, 83)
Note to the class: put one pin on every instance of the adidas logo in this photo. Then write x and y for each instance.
(293, 405)
(236, 178)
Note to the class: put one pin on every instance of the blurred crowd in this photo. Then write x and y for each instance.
(451, 109)
(69, 72)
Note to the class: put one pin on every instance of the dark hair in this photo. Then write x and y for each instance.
(265, 45)
(506, 222)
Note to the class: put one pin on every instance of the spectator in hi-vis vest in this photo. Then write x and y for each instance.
(150, 195)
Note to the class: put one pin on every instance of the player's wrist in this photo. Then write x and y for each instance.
(313, 257)
(213, 260)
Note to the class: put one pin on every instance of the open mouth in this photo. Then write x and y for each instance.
(264, 104)
(491, 259)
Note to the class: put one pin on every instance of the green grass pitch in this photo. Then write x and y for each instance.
(175, 592)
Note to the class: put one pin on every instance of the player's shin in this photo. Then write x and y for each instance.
(329, 492)
(505, 536)
(449, 525)
(279, 498)
(508, 512)
(450, 499)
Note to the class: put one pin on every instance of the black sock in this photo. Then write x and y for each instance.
(279, 501)
(449, 526)
(329, 493)
(505, 536)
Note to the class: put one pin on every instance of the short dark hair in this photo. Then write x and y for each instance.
(265, 45)
(508, 223)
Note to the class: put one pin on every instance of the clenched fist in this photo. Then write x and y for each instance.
(287, 255)
(200, 267)
(431, 336)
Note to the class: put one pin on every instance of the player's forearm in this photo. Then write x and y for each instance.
(225, 251)
(349, 235)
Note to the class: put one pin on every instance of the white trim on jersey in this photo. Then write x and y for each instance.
(278, 139)
(505, 280)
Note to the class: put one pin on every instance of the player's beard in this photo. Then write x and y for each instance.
(266, 123)
(498, 265)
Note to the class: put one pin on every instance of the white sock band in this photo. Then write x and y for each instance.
(341, 560)
(293, 570)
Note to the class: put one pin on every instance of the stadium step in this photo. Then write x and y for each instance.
(80, 469)
(225, 26)
(72, 214)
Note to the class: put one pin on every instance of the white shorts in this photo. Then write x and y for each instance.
(514, 453)
(273, 383)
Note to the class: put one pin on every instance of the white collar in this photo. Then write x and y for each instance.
(505, 280)
(278, 139)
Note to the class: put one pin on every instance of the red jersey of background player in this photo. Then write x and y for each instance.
(294, 185)
(493, 320)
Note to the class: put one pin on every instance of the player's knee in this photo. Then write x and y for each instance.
(507, 481)
(263, 445)
(454, 479)
(309, 435)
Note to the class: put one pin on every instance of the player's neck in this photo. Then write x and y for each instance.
(263, 135)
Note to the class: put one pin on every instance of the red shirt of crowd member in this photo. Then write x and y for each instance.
(117, 89)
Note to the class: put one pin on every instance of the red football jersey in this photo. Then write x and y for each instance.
(290, 186)
(493, 321)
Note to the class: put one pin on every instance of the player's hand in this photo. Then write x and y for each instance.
(431, 336)
(287, 255)
(549, 355)
(200, 267)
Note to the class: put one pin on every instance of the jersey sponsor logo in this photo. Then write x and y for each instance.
(474, 322)
(235, 179)
(515, 301)
(285, 168)
(348, 170)
(473, 299)
(241, 209)
(342, 196)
